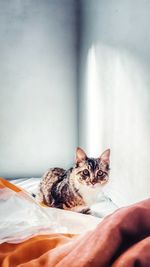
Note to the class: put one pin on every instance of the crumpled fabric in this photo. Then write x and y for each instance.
(21, 217)
(122, 239)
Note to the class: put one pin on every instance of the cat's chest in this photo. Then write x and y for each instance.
(90, 194)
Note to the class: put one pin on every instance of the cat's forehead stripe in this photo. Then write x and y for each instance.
(92, 163)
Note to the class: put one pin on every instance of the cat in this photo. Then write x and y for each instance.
(77, 188)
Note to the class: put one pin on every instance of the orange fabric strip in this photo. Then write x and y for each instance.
(4, 183)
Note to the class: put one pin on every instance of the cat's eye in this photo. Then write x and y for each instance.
(100, 173)
(86, 172)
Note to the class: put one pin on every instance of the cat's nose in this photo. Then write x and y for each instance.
(94, 181)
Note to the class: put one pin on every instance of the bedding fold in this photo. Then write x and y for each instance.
(21, 217)
(122, 239)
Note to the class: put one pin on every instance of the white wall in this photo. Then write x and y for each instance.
(38, 88)
(38, 122)
(115, 92)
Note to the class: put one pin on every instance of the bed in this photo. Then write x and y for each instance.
(35, 235)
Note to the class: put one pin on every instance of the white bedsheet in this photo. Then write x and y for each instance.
(22, 217)
(28, 184)
(103, 207)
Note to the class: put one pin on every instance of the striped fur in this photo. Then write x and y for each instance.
(77, 188)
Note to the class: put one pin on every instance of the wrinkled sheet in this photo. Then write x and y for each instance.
(103, 206)
(122, 239)
(22, 217)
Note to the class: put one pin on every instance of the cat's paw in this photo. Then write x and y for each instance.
(82, 209)
(86, 211)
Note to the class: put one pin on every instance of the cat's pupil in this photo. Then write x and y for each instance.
(86, 172)
(100, 173)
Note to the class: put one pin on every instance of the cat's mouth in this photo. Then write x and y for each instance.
(95, 185)
(98, 184)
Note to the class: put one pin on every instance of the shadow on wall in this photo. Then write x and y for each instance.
(117, 116)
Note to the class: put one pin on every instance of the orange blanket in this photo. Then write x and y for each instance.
(120, 240)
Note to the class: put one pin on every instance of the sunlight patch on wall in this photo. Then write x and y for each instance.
(94, 103)
(117, 114)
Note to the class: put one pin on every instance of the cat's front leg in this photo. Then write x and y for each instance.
(82, 209)
(39, 197)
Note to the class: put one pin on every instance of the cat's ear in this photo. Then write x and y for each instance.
(80, 155)
(105, 156)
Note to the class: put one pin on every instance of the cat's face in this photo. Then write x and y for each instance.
(92, 171)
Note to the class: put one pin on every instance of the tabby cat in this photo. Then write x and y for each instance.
(77, 188)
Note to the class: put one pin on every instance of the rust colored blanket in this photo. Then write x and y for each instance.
(120, 240)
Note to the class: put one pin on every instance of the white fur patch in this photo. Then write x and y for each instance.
(89, 193)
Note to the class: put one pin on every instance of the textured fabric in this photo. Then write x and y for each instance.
(103, 207)
(120, 240)
(12, 255)
(21, 217)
